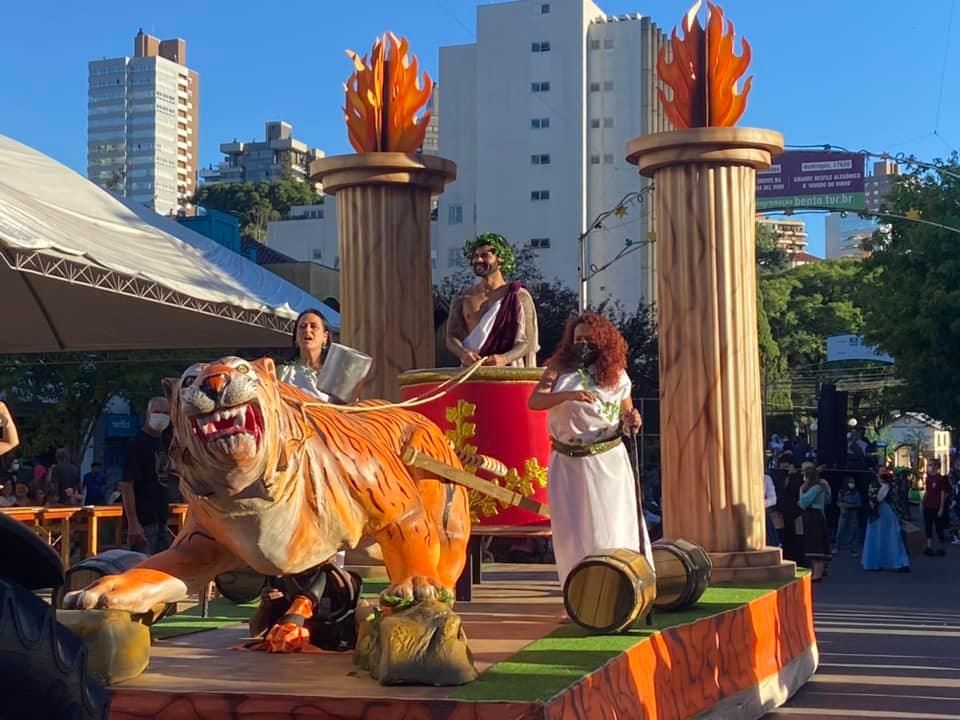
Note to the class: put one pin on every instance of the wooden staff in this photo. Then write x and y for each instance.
(414, 458)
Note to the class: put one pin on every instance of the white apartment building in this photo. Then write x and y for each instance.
(537, 114)
(143, 129)
(309, 234)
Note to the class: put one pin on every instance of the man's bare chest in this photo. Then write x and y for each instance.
(476, 305)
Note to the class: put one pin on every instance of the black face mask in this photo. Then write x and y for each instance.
(586, 354)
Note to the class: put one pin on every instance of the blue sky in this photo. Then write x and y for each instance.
(878, 74)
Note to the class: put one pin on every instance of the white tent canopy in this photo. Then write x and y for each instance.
(82, 270)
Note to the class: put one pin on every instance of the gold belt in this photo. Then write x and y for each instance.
(585, 450)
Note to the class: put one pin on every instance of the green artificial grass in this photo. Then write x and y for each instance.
(549, 665)
(222, 612)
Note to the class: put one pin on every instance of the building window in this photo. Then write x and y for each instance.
(594, 44)
(541, 243)
(543, 159)
(540, 47)
(608, 122)
(540, 123)
(317, 254)
(544, 8)
(595, 122)
(540, 195)
(594, 87)
(455, 257)
(608, 43)
(594, 159)
(607, 159)
(540, 87)
(455, 215)
(608, 85)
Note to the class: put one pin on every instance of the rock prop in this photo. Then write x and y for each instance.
(423, 644)
(118, 648)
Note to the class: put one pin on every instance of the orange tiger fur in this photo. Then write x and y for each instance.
(316, 481)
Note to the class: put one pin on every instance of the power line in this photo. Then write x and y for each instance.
(901, 158)
(943, 71)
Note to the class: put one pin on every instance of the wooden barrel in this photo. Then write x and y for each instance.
(683, 573)
(609, 591)
(240, 586)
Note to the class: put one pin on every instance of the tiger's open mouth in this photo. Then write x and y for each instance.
(230, 429)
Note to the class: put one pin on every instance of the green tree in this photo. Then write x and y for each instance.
(63, 394)
(808, 304)
(911, 290)
(256, 204)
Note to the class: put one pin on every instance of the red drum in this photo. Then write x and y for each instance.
(494, 402)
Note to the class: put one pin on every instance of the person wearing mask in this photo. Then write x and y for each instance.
(883, 547)
(592, 490)
(9, 438)
(814, 496)
(934, 503)
(146, 476)
(849, 502)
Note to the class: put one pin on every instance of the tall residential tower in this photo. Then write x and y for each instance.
(143, 125)
(537, 114)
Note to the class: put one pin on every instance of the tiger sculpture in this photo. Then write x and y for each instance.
(278, 482)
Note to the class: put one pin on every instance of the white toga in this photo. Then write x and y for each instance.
(593, 499)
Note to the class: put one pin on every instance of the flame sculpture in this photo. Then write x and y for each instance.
(383, 97)
(704, 73)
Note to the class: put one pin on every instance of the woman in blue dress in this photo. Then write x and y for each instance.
(883, 547)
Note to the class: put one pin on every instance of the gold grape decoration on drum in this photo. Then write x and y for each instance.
(463, 430)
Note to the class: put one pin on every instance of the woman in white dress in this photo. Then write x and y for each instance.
(591, 486)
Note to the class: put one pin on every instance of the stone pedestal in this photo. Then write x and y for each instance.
(711, 427)
(383, 226)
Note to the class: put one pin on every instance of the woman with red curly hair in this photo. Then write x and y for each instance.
(585, 388)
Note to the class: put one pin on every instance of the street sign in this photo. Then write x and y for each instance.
(804, 179)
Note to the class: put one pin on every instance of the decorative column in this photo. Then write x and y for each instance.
(383, 228)
(711, 425)
(383, 214)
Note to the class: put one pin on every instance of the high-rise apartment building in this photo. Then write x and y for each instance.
(431, 141)
(877, 186)
(791, 234)
(143, 125)
(537, 114)
(280, 155)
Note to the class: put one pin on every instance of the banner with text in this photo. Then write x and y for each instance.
(803, 179)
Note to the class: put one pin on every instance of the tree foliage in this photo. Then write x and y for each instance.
(911, 291)
(256, 204)
(64, 394)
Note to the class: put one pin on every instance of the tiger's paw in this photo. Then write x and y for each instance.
(286, 638)
(136, 591)
(414, 590)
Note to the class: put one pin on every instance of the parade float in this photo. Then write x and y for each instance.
(735, 649)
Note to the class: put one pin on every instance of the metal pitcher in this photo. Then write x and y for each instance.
(342, 373)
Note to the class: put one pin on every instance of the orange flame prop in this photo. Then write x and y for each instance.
(383, 98)
(704, 73)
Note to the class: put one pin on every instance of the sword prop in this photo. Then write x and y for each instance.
(413, 458)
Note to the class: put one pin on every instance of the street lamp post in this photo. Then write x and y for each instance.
(585, 272)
